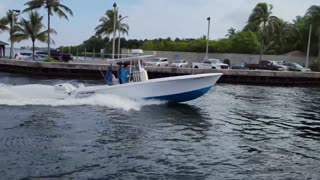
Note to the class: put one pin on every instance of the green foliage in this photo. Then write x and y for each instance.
(3, 24)
(31, 28)
(279, 36)
(242, 42)
(148, 45)
(95, 43)
(313, 16)
(52, 6)
(51, 60)
(231, 32)
(245, 42)
(259, 17)
(10, 23)
(221, 46)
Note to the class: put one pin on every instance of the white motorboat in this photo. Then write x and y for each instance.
(170, 89)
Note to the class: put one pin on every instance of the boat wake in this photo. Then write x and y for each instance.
(37, 94)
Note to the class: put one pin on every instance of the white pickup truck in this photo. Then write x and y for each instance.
(210, 64)
(158, 61)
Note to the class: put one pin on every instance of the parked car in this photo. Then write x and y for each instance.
(240, 65)
(210, 64)
(36, 58)
(265, 65)
(281, 64)
(22, 55)
(296, 67)
(180, 63)
(158, 62)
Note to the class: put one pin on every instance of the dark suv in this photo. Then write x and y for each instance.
(55, 54)
(265, 65)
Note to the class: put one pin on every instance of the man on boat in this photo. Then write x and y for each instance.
(109, 76)
(124, 74)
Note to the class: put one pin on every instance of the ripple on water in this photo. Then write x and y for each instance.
(233, 132)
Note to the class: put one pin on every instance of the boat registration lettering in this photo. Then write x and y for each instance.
(87, 92)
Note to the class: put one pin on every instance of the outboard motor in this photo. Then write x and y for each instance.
(64, 88)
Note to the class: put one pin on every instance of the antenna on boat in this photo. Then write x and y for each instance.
(103, 75)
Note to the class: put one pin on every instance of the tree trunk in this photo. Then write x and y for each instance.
(262, 41)
(49, 13)
(11, 36)
(119, 45)
(11, 49)
(32, 49)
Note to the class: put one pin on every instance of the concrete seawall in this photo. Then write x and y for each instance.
(93, 71)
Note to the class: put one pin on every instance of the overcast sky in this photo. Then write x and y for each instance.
(149, 19)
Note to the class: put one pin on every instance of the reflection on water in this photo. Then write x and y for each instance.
(234, 132)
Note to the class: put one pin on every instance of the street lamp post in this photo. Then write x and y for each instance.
(120, 19)
(308, 50)
(12, 30)
(207, 49)
(115, 11)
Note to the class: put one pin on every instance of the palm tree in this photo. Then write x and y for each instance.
(260, 17)
(52, 6)
(279, 34)
(313, 14)
(2, 25)
(301, 33)
(9, 23)
(32, 28)
(106, 26)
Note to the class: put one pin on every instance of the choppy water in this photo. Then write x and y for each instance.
(234, 132)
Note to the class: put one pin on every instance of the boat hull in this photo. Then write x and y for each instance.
(171, 89)
(182, 97)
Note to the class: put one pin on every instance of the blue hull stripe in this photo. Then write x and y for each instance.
(181, 97)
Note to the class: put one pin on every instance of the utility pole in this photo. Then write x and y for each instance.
(115, 16)
(308, 50)
(207, 49)
(119, 47)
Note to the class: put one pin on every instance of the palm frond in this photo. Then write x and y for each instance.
(66, 9)
(33, 4)
(60, 13)
(105, 28)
